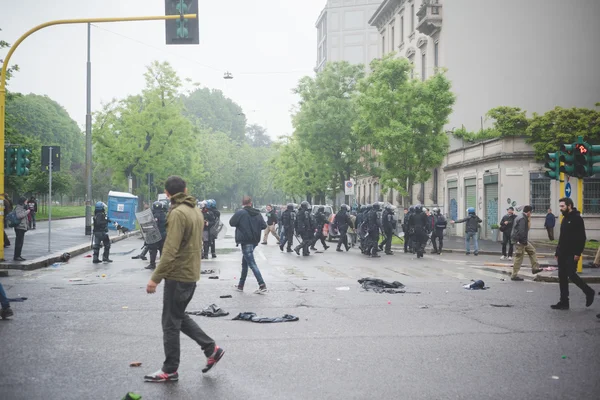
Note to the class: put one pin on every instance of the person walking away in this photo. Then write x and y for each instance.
(21, 211)
(160, 217)
(33, 206)
(179, 267)
(520, 238)
(248, 223)
(571, 243)
(271, 224)
(6, 310)
(439, 224)
(320, 220)
(550, 223)
(209, 221)
(288, 220)
(506, 225)
(373, 228)
(389, 226)
(419, 224)
(473, 222)
(406, 229)
(342, 221)
(100, 231)
(212, 238)
(305, 228)
(8, 207)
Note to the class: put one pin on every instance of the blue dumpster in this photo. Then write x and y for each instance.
(121, 209)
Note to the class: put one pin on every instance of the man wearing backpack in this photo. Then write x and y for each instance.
(21, 212)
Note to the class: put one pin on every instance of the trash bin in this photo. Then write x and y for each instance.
(121, 209)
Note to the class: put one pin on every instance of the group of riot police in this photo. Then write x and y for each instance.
(419, 226)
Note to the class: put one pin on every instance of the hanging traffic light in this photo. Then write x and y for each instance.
(553, 165)
(182, 30)
(567, 157)
(23, 161)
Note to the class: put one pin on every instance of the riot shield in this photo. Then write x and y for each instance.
(148, 226)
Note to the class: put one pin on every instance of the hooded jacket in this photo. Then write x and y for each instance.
(572, 235)
(472, 221)
(180, 258)
(22, 213)
(249, 224)
(520, 230)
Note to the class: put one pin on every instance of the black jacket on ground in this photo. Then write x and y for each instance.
(249, 224)
(572, 235)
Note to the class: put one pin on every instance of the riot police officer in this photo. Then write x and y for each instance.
(373, 227)
(288, 221)
(100, 231)
(343, 221)
(440, 224)
(320, 221)
(305, 228)
(160, 216)
(419, 222)
(389, 226)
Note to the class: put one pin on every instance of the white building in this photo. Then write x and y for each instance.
(534, 54)
(344, 33)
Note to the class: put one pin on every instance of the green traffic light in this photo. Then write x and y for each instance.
(182, 30)
(553, 165)
(22, 163)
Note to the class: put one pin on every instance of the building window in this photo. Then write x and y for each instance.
(393, 37)
(423, 67)
(382, 45)
(412, 18)
(591, 196)
(325, 49)
(402, 29)
(539, 192)
(436, 54)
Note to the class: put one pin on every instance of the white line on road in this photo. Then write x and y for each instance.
(262, 255)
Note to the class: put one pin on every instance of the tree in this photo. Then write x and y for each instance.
(12, 68)
(563, 125)
(257, 136)
(403, 120)
(508, 121)
(324, 121)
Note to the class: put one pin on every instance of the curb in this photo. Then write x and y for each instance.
(492, 253)
(42, 262)
(539, 277)
(56, 219)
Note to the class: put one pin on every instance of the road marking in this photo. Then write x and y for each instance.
(262, 255)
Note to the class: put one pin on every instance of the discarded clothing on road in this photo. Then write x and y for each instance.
(17, 300)
(252, 317)
(476, 285)
(207, 271)
(381, 286)
(211, 311)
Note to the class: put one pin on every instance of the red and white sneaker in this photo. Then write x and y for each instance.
(213, 359)
(160, 376)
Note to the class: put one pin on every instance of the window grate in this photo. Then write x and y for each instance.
(540, 195)
(591, 196)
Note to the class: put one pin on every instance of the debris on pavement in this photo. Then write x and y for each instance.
(555, 377)
(88, 256)
(226, 296)
(135, 364)
(476, 285)
(550, 268)
(132, 396)
(530, 291)
(125, 307)
(75, 280)
(502, 305)
(207, 271)
(211, 311)
(56, 265)
(343, 288)
(17, 299)
(381, 286)
(213, 277)
(252, 317)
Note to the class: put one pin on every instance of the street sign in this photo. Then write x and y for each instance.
(348, 188)
(568, 190)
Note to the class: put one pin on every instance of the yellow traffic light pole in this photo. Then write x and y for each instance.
(3, 83)
(580, 208)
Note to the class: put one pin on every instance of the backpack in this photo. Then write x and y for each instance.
(12, 219)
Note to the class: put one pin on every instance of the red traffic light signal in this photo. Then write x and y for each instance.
(581, 148)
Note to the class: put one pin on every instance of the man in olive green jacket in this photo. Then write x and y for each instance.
(180, 268)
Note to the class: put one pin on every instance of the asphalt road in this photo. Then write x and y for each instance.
(75, 339)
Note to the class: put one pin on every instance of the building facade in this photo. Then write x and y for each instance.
(344, 33)
(495, 54)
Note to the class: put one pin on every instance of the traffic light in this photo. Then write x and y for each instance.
(594, 158)
(182, 30)
(582, 161)
(553, 165)
(10, 161)
(567, 157)
(23, 162)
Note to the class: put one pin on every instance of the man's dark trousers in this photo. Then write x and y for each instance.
(567, 269)
(174, 320)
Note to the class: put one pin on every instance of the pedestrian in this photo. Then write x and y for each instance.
(33, 207)
(506, 225)
(343, 221)
(440, 225)
(288, 220)
(520, 238)
(160, 217)
(305, 228)
(271, 224)
(248, 223)
(6, 310)
(472, 230)
(8, 207)
(571, 243)
(100, 231)
(21, 212)
(550, 223)
(320, 221)
(180, 268)
(389, 227)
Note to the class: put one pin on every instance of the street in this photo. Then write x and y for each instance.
(76, 334)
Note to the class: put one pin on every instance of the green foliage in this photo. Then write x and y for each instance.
(257, 136)
(485, 134)
(11, 69)
(509, 121)
(402, 119)
(563, 125)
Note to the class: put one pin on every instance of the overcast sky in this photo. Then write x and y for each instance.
(266, 44)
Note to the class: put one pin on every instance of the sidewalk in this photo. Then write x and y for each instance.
(67, 236)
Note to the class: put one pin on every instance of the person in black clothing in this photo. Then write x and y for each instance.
(406, 228)
(342, 221)
(419, 223)
(439, 222)
(100, 231)
(217, 214)
(305, 228)
(288, 220)
(160, 216)
(389, 226)
(568, 252)
(373, 227)
(209, 222)
(320, 221)
(8, 206)
(506, 225)
(33, 207)
(363, 229)
(549, 224)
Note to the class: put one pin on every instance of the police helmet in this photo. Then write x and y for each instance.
(411, 209)
(376, 206)
(471, 210)
(290, 206)
(305, 205)
(157, 205)
(211, 203)
(436, 211)
(100, 206)
(389, 207)
(418, 208)
(345, 207)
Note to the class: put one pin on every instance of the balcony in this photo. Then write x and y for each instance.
(430, 17)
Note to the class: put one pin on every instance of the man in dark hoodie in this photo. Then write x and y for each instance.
(571, 243)
(249, 223)
(506, 225)
(180, 268)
